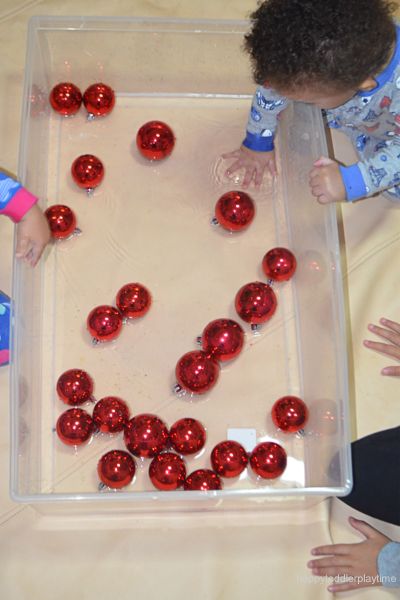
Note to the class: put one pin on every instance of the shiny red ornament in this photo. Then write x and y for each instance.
(255, 302)
(111, 414)
(279, 264)
(133, 300)
(99, 99)
(75, 427)
(196, 372)
(155, 140)
(223, 339)
(75, 387)
(268, 460)
(203, 480)
(62, 221)
(116, 469)
(289, 414)
(104, 323)
(146, 435)
(229, 458)
(87, 171)
(234, 211)
(187, 436)
(167, 471)
(65, 98)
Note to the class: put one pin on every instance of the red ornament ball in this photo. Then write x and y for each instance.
(234, 211)
(87, 171)
(279, 264)
(268, 460)
(116, 469)
(74, 427)
(223, 339)
(99, 99)
(75, 387)
(104, 323)
(196, 372)
(62, 221)
(155, 140)
(255, 302)
(229, 458)
(289, 413)
(65, 98)
(146, 435)
(111, 414)
(187, 436)
(203, 480)
(133, 300)
(167, 471)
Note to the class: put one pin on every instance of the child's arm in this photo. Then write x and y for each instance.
(375, 172)
(390, 332)
(356, 563)
(21, 207)
(256, 155)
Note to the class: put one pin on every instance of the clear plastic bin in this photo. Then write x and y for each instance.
(150, 222)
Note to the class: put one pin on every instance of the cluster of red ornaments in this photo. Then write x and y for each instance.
(98, 99)
(198, 371)
(146, 436)
(104, 322)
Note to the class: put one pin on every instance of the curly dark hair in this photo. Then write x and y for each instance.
(309, 43)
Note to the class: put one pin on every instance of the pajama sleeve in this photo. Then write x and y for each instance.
(263, 119)
(381, 171)
(389, 565)
(15, 200)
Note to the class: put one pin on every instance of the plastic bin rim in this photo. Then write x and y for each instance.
(49, 21)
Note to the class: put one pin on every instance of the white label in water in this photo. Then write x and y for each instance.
(245, 436)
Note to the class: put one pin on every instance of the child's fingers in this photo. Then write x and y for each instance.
(343, 587)
(392, 371)
(331, 550)
(391, 324)
(323, 161)
(329, 561)
(248, 176)
(330, 571)
(233, 154)
(387, 349)
(233, 168)
(391, 336)
(363, 527)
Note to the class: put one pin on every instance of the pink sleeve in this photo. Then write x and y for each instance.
(20, 203)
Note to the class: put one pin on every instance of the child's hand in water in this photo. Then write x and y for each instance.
(254, 164)
(33, 234)
(390, 332)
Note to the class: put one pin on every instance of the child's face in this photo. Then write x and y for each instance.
(323, 98)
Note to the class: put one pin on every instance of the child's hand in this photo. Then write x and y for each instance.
(351, 561)
(326, 181)
(33, 234)
(391, 332)
(254, 164)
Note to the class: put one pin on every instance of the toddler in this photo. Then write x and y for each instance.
(344, 57)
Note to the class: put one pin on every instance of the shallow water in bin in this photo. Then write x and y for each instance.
(150, 222)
